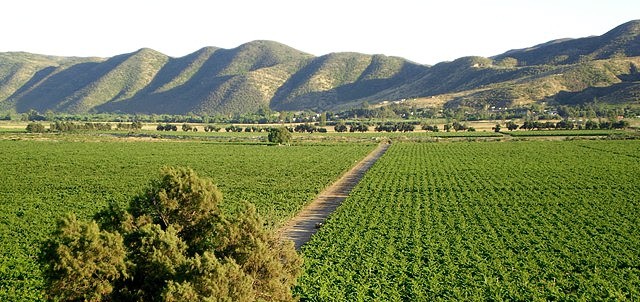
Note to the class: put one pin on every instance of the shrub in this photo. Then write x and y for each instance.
(279, 136)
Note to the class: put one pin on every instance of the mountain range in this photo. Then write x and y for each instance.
(266, 73)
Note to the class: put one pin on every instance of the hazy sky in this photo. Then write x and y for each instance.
(423, 31)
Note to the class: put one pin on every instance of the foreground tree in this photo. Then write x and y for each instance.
(173, 243)
(83, 261)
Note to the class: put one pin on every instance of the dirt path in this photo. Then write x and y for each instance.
(306, 223)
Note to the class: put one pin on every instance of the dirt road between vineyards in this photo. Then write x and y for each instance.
(301, 227)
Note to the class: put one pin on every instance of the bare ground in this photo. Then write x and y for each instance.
(301, 227)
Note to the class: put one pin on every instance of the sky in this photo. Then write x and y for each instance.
(423, 31)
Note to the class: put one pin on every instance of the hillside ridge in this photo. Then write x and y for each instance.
(264, 73)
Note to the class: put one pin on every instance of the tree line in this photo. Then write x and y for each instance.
(565, 125)
(63, 126)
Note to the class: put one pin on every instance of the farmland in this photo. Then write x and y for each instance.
(460, 219)
(518, 220)
(48, 176)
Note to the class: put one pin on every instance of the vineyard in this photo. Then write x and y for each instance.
(495, 221)
(44, 180)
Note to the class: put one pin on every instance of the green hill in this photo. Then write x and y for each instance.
(622, 41)
(266, 73)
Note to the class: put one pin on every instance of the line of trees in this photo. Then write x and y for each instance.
(431, 128)
(308, 128)
(167, 127)
(457, 126)
(133, 126)
(394, 127)
(62, 126)
(565, 125)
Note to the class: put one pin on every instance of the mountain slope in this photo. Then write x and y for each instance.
(621, 41)
(333, 79)
(266, 73)
(235, 80)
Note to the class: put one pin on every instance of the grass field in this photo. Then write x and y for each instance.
(44, 179)
(523, 221)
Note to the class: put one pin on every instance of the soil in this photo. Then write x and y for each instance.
(301, 227)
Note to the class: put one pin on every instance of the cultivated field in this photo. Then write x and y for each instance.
(493, 221)
(494, 218)
(46, 178)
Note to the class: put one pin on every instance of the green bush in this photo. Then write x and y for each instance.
(35, 128)
(279, 136)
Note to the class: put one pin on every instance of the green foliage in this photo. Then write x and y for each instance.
(432, 128)
(520, 221)
(211, 128)
(70, 126)
(186, 127)
(172, 243)
(301, 128)
(511, 125)
(53, 177)
(36, 128)
(56, 176)
(279, 135)
(82, 261)
(359, 127)
(393, 127)
(340, 127)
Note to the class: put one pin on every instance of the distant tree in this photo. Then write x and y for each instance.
(186, 127)
(457, 126)
(211, 128)
(496, 128)
(35, 128)
(511, 125)
(340, 127)
(305, 128)
(323, 119)
(621, 124)
(167, 127)
(432, 128)
(565, 124)
(527, 125)
(173, 243)
(406, 127)
(359, 127)
(279, 135)
(591, 125)
(605, 125)
(32, 115)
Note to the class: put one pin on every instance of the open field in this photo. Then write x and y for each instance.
(522, 221)
(44, 179)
